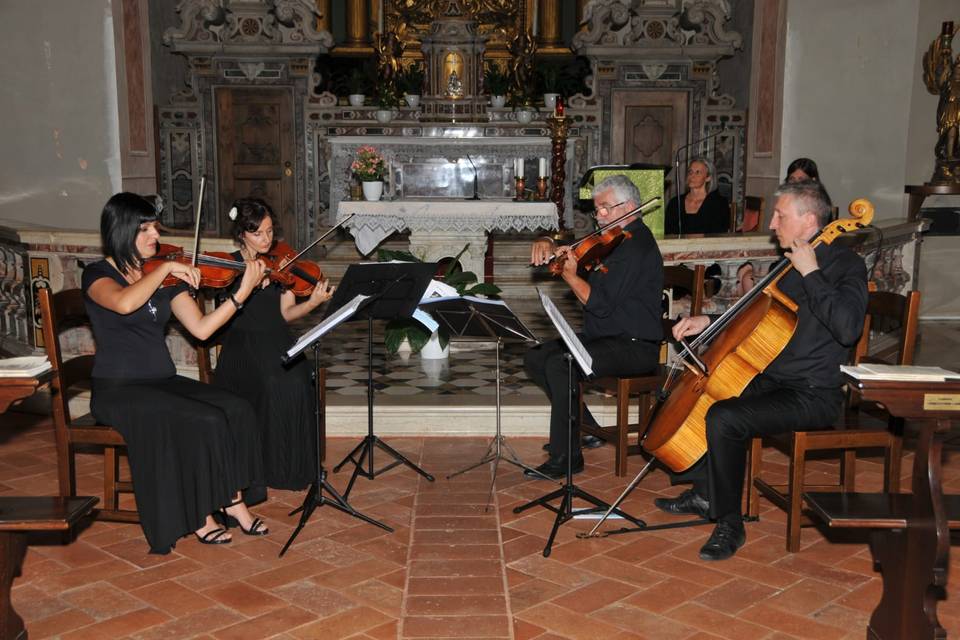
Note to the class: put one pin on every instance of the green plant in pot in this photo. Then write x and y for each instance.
(466, 284)
(497, 83)
(358, 83)
(411, 83)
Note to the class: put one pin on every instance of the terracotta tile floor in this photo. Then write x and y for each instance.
(451, 569)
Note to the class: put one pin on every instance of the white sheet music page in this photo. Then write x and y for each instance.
(567, 334)
(338, 316)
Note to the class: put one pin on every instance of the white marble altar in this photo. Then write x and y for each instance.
(441, 228)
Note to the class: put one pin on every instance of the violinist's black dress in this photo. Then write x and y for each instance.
(191, 446)
(282, 395)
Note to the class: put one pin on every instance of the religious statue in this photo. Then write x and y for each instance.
(389, 47)
(521, 49)
(454, 86)
(941, 74)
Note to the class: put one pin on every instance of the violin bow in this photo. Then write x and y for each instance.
(316, 242)
(196, 231)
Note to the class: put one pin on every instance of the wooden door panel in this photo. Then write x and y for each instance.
(256, 157)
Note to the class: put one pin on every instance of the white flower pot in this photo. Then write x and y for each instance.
(412, 100)
(356, 99)
(524, 116)
(372, 190)
(383, 116)
(550, 100)
(432, 350)
(498, 102)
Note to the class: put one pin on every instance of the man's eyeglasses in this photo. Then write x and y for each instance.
(606, 207)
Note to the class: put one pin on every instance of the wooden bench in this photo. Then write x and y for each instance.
(873, 510)
(18, 517)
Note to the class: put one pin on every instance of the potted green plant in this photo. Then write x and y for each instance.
(411, 84)
(358, 84)
(466, 284)
(387, 103)
(497, 82)
(550, 83)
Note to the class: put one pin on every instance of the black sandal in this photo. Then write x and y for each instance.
(214, 536)
(257, 528)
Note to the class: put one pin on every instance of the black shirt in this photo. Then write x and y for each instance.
(832, 304)
(712, 217)
(131, 345)
(625, 301)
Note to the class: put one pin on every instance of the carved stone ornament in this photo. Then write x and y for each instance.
(695, 26)
(240, 26)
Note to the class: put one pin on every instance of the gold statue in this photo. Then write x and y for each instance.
(941, 74)
(521, 49)
(389, 47)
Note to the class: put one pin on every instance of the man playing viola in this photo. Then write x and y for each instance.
(801, 388)
(621, 316)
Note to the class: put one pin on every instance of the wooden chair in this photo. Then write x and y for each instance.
(752, 215)
(61, 311)
(642, 386)
(883, 307)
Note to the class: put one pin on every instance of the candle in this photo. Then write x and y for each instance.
(543, 168)
(558, 109)
(520, 167)
(535, 21)
(380, 18)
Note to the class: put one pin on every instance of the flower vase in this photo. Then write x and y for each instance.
(372, 189)
(356, 99)
(498, 102)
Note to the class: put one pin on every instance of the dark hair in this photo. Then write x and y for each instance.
(119, 225)
(806, 165)
(250, 214)
(811, 197)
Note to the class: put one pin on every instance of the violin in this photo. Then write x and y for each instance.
(303, 274)
(591, 250)
(217, 269)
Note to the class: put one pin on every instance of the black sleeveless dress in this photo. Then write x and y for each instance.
(282, 395)
(191, 446)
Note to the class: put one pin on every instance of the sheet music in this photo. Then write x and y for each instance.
(567, 334)
(438, 289)
(333, 320)
(899, 373)
(24, 366)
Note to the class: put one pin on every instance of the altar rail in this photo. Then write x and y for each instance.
(35, 257)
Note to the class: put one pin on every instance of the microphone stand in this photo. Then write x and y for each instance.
(476, 193)
(676, 174)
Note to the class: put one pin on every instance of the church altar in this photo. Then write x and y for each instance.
(440, 229)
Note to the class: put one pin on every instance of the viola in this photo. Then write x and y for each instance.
(303, 274)
(217, 269)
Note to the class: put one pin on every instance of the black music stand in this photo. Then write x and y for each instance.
(469, 317)
(569, 491)
(315, 494)
(397, 288)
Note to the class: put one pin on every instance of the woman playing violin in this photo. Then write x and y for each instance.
(621, 315)
(191, 447)
(249, 364)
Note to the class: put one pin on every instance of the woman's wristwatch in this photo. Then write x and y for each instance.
(236, 303)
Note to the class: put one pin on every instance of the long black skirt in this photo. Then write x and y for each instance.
(191, 447)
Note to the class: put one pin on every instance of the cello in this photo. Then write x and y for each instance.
(742, 344)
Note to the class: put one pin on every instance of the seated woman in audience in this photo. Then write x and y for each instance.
(192, 447)
(802, 169)
(249, 365)
(701, 209)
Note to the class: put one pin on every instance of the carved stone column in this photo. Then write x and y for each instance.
(550, 23)
(323, 20)
(357, 34)
(559, 129)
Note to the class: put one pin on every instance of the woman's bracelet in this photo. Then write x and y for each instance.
(236, 303)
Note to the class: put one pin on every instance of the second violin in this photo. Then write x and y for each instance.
(303, 274)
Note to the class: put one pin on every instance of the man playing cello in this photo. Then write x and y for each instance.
(621, 315)
(801, 388)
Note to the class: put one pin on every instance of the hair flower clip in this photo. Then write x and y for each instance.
(232, 214)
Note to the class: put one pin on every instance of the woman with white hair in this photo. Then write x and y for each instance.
(701, 209)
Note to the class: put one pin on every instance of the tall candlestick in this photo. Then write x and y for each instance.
(543, 168)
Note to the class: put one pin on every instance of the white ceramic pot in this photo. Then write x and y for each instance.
(412, 100)
(356, 99)
(432, 350)
(372, 190)
(550, 100)
(383, 116)
(498, 102)
(525, 116)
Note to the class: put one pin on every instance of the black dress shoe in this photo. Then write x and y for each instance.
(587, 442)
(724, 541)
(687, 503)
(555, 469)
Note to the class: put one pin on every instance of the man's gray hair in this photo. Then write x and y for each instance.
(810, 196)
(623, 189)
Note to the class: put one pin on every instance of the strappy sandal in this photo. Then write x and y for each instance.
(214, 536)
(257, 528)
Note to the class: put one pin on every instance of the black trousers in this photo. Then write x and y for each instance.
(546, 366)
(764, 408)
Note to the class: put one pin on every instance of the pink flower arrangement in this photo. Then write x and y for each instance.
(369, 164)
